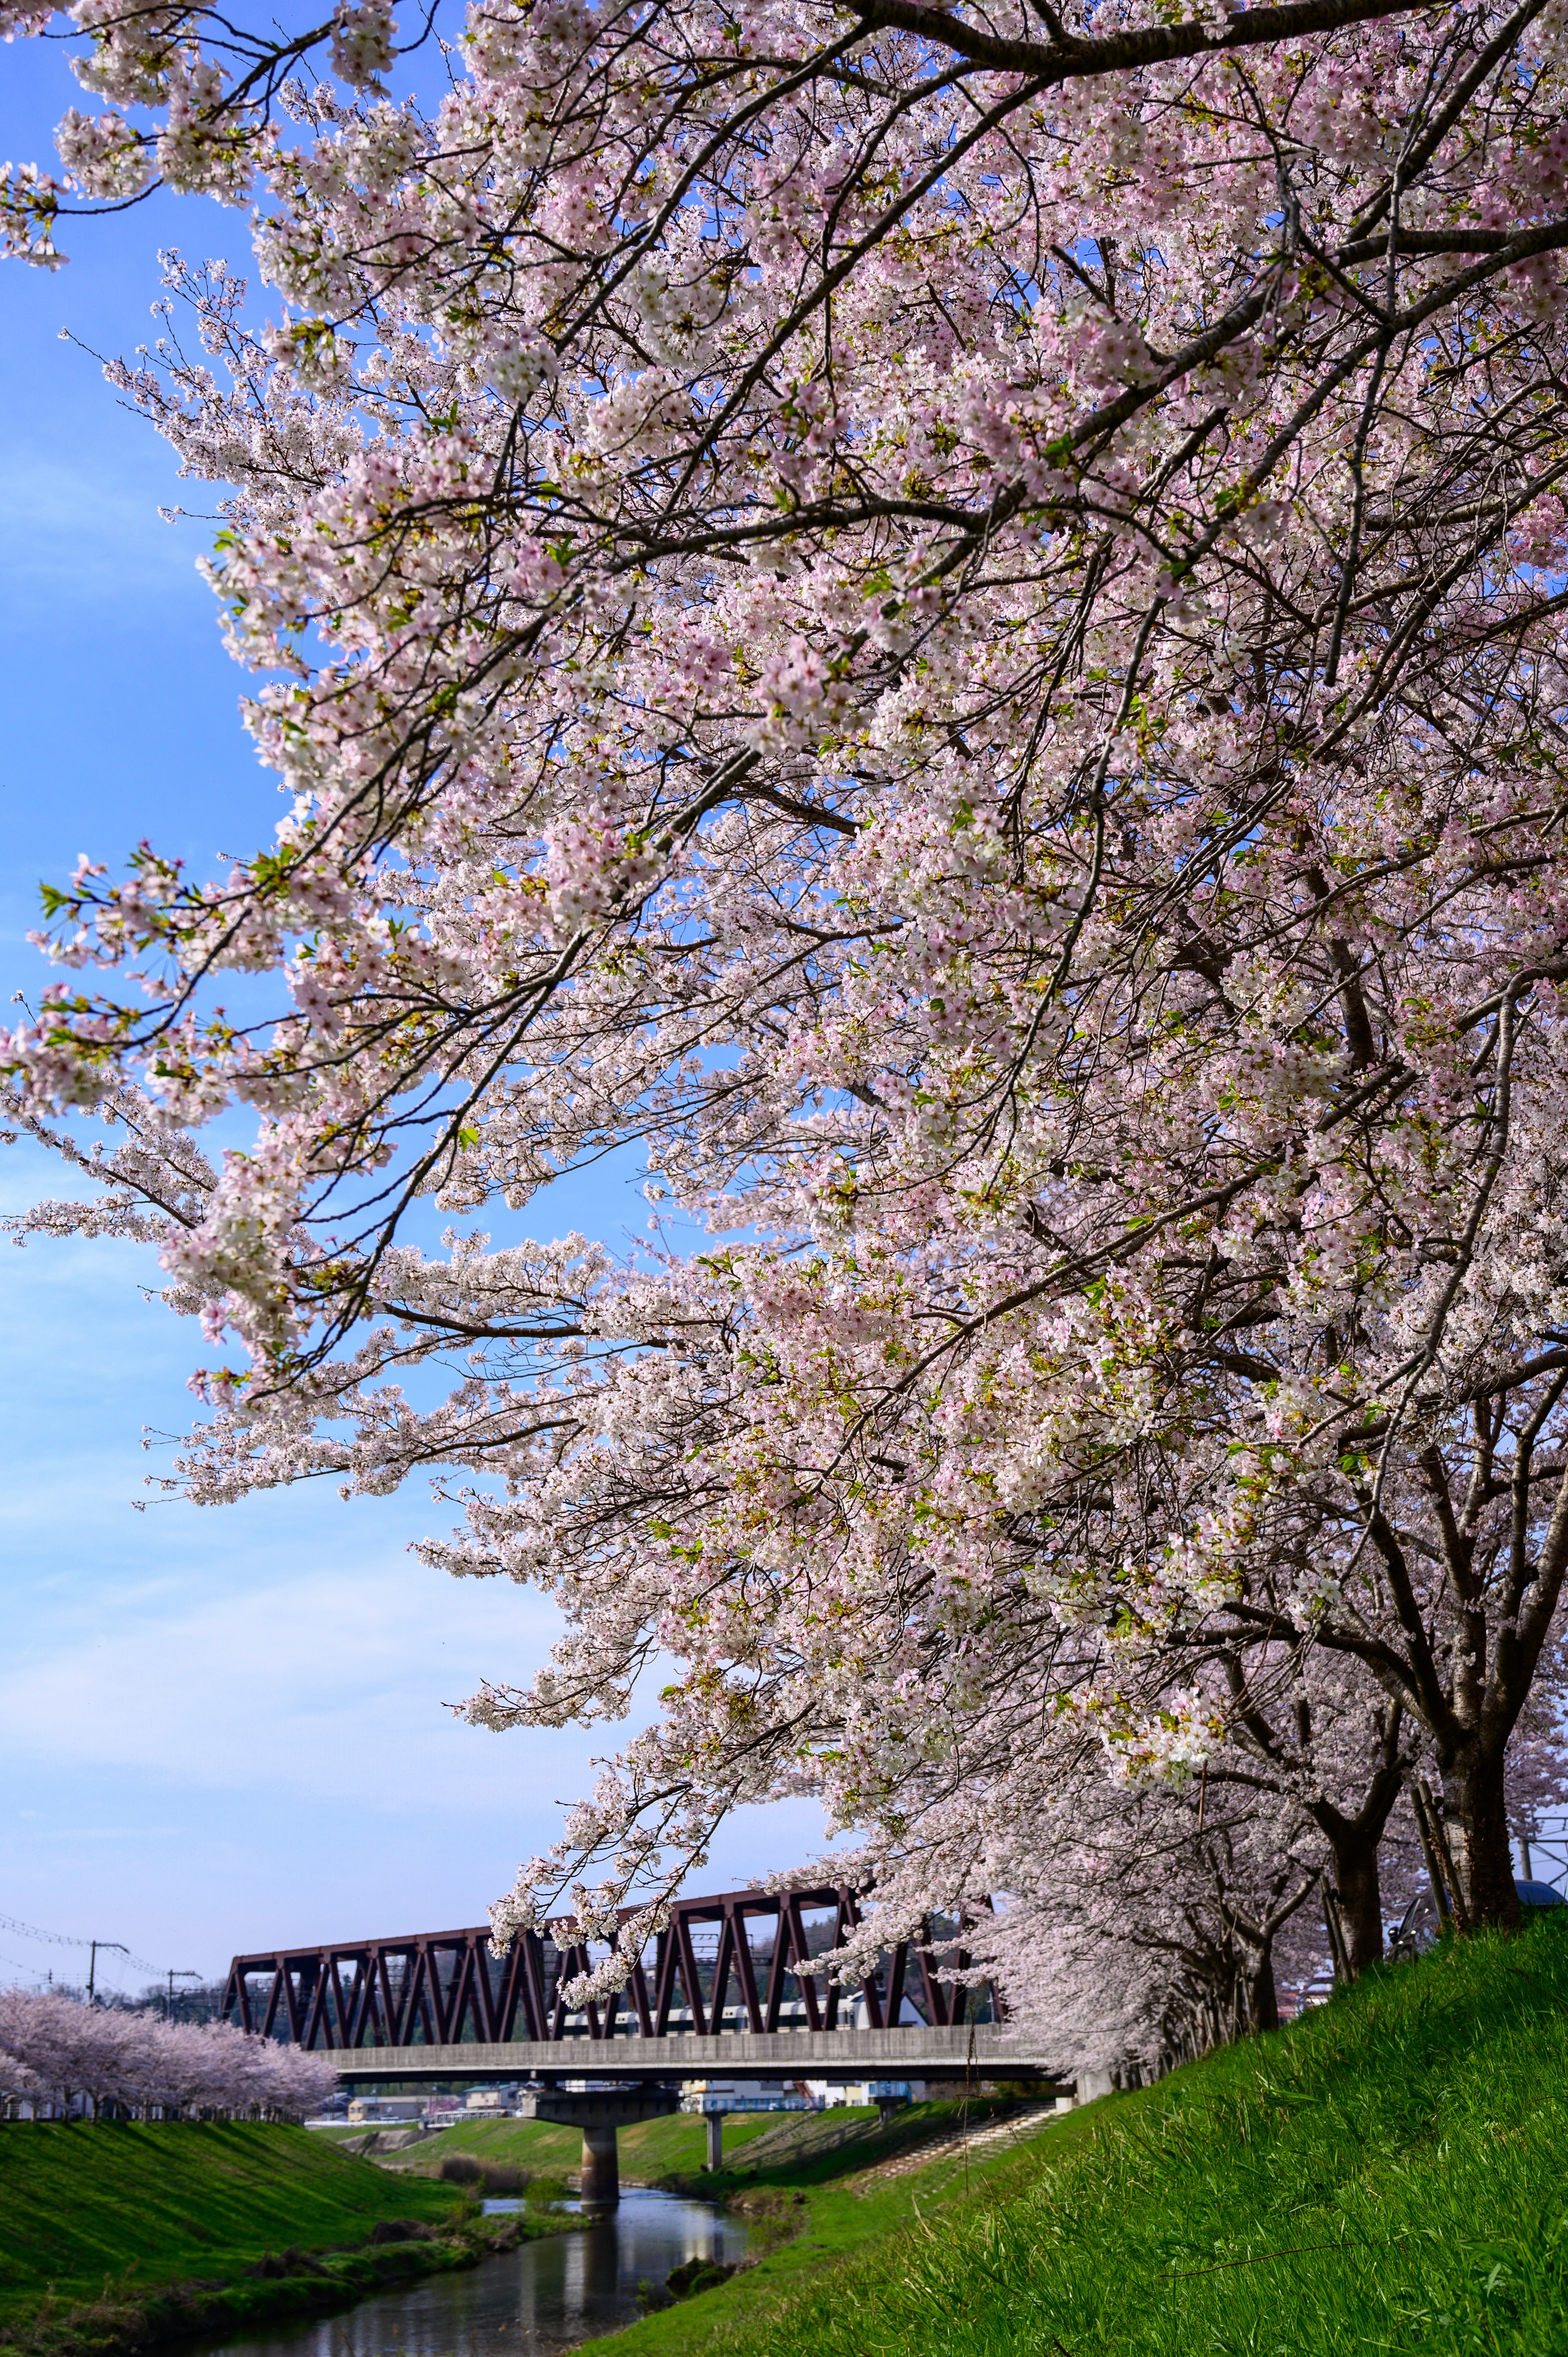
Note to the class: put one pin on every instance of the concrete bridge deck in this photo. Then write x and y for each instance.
(953, 2054)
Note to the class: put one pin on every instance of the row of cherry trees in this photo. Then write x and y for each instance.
(57, 2055)
(950, 621)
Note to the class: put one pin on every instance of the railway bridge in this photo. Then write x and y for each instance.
(731, 1988)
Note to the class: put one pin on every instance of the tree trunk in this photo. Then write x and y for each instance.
(1354, 1842)
(1476, 1809)
(1360, 1897)
(1261, 1995)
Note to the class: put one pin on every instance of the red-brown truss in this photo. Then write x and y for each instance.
(446, 1988)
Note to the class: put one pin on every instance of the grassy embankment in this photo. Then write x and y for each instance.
(800, 2148)
(115, 2236)
(649, 2152)
(1391, 2174)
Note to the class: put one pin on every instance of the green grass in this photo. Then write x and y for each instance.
(81, 2202)
(678, 2145)
(1391, 2175)
(834, 2224)
(527, 2144)
(816, 2147)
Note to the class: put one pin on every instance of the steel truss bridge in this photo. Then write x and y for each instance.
(731, 1988)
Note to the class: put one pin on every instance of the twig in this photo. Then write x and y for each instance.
(1294, 2251)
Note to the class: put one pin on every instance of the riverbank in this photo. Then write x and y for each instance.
(1386, 2174)
(817, 2202)
(116, 2237)
(799, 2147)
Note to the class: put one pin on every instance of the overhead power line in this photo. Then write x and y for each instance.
(64, 1940)
(31, 1932)
(15, 1962)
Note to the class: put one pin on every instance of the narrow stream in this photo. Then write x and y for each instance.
(542, 2297)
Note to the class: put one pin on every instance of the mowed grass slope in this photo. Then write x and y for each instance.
(819, 2147)
(1389, 2175)
(842, 2207)
(767, 2148)
(81, 2202)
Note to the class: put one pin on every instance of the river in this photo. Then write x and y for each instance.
(540, 2298)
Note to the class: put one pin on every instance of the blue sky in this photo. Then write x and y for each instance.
(218, 1729)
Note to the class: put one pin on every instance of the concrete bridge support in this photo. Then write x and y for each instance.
(599, 2111)
(715, 2139)
(601, 2169)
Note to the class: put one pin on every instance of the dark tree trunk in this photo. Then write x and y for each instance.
(1360, 1892)
(1478, 1816)
(1261, 1995)
(1354, 1842)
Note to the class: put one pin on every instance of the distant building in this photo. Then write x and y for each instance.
(747, 2095)
(367, 2109)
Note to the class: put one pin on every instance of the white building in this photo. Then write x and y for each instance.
(746, 2096)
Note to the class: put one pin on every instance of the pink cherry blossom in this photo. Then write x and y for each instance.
(56, 2051)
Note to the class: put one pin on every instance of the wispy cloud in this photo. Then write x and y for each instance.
(322, 1679)
(93, 528)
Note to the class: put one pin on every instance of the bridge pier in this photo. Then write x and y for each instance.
(599, 2111)
(715, 2139)
(601, 2169)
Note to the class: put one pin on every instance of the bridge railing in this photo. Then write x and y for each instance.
(743, 1960)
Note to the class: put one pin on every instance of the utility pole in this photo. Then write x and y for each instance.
(93, 1964)
(168, 2008)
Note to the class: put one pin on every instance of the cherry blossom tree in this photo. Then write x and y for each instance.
(1144, 1901)
(1318, 1746)
(56, 2051)
(1148, 1937)
(952, 620)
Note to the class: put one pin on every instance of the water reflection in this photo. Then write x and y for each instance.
(546, 2296)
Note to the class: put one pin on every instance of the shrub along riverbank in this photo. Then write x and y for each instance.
(1390, 2174)
(115, 2236)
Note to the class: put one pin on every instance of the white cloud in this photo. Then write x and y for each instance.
(328, 1679)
